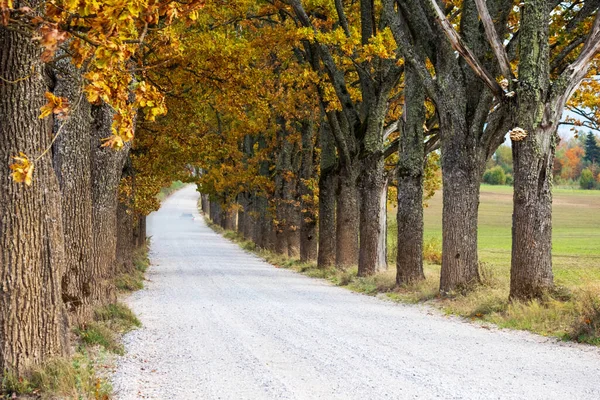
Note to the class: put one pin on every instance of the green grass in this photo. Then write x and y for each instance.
(110, 322)
(82, 376)
(576, 231)
(135, 280)
(166, 192)
(572, 312)
(576, 263)
(61, 378)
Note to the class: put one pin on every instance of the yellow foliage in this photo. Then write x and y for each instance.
(56, 105)
(22, 169)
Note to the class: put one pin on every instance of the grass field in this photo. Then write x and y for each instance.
(576, 231)
(576, 264)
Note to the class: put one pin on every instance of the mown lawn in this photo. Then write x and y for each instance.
(573, 311)
(576, 231)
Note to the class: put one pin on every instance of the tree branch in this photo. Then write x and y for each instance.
(404, 42)
(494, 39)
(459, 45)
(339, 7)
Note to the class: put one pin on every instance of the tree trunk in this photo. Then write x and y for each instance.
(72, 162)
(230, 222)
(531, 266)
(249, 217)
(33, 319)
(347, 219)
(327, 189)
(205, 204)
(139, 234)
(293, 206)
(107, 165)
(308, 218)
(124, 238)
(241, 217)
(461, 175)
(409, 261)
(382, 264)
(370, 184)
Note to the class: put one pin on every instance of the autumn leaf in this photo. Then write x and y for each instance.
(114, 142)
(5, 6)
(22, 169)
(56, 105)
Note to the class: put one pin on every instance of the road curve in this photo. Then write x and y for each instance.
(219, 323)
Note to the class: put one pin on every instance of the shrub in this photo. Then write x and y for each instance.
(432, 251)
(587, 180)
(586, 328)
(495, 176)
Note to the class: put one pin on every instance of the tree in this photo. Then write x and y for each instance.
(33, 319)
(540, 94)
(469, 133)
(495, 176)
(352, 44)
(587, 180)
(592, 150)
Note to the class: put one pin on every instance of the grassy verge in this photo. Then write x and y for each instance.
(166, 192)
(571, 312)
(84, 375)
(135, 280)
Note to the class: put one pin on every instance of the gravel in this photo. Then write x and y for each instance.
(219, 323)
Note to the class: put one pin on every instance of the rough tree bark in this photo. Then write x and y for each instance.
(125, 226)
(370, 185)
(327, 187)
(33, 319)
(531, 266)
(308, 220)
(72, 162)
(107, 165)
(382, 250)
(409, 261)
(347, 220)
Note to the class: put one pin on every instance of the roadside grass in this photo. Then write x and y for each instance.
(166, 192)
(570, 312)
(135, 280)
(84, 375)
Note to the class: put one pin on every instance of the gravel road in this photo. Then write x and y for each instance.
(219, 323)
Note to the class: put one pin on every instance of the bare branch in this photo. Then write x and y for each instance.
(393, 127)
(339, 7)
(564, 53)
(494, 39)
(459, 45)
(406, 47)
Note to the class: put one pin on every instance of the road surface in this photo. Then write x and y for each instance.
(219, 323)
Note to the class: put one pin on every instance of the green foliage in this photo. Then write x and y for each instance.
(495, 176)
(503, 158)
(587, 181)
(592, 150)
(167, 191)
(432, 251)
